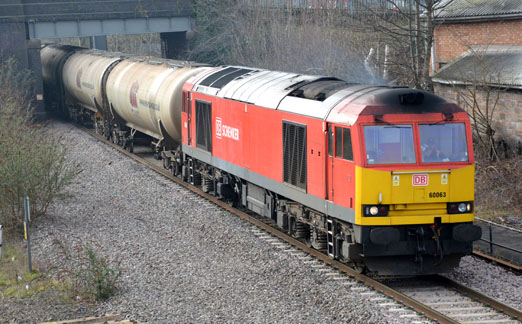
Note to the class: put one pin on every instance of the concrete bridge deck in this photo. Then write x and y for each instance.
(24, 22)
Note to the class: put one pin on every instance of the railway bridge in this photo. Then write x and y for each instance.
(24, 23)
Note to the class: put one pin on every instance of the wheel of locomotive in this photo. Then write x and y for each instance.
(175, 169)
(131, 147)
(157, 156)
(298, 230)
(317, 239)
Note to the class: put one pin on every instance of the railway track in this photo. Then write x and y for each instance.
(436, 297)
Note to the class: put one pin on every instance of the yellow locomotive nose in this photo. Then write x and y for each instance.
(416, 196)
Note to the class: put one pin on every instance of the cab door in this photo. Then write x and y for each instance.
(341, 168)
(186, 119)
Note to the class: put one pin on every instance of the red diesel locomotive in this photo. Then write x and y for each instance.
(381, 177)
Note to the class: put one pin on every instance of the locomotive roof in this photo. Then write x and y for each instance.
(316, 96)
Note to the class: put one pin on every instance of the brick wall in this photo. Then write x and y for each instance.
(507, 117)
(451, 40)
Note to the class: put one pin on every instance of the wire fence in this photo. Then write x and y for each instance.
(501, 240)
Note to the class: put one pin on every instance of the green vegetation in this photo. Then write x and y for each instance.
(32, 162)
(15, 279)
(96, 277)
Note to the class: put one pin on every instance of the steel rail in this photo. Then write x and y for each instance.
(376, 285)
(503, 263)
(493, 303)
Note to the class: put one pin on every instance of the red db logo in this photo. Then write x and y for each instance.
(133, 92)
(79, 78)
(420, 179)
(218, 127)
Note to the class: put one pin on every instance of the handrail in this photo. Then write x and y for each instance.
(497, 224)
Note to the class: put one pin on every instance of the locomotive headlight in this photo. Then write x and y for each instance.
(376, 210)
(462, 207)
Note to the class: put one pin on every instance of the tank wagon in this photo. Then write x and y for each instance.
(380, 177)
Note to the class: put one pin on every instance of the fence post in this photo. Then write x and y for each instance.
(490, 241)
(1, 229)
(27, 231)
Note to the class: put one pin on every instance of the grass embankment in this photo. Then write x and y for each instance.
(15, 279)
(498, 191)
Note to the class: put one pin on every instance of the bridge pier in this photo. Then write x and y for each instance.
(13, 43)
(173, 44)
(24, 22)
(98, 42)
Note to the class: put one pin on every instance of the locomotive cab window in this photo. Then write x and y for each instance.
(204, 125)
(343, 143)
(443, 143)
(330, 141)
(389, 144)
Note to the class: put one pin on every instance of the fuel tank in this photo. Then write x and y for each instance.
(147, 94)
(83, 76)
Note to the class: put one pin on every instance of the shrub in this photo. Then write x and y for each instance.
(498, 187)
(96, 277)
(33, 162)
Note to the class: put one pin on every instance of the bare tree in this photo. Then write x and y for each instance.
(480, 80)
(407, 28)
(280, 38)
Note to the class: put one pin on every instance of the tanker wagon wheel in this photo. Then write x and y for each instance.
(165, 164)
(114, 138)
(129, 146)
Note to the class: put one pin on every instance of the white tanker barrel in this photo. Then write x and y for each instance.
(83, 74)
(146, 93)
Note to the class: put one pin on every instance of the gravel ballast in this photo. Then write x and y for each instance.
(185, 260)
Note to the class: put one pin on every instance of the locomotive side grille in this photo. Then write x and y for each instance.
(294, 154)
(204, 125)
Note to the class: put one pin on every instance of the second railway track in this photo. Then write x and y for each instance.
(436, 297)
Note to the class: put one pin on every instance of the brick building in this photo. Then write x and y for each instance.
(478, 45)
